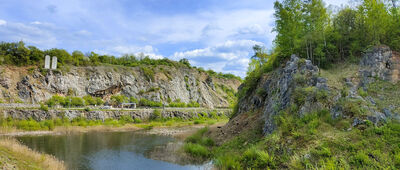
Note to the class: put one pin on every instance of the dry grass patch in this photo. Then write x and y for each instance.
(335, 76)
(14, 155)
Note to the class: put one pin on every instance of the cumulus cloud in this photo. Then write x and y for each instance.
(229, 57)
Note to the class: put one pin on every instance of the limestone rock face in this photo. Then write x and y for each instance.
(277, 90)
(143, 114)
(380, 62)
(103, 81)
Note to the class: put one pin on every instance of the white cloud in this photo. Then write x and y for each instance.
(31, 34)
(228, 57)
(36, 23)
(2, 22)
(119, 50)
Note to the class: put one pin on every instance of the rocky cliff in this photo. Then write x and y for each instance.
(157, 83)
(367, 93)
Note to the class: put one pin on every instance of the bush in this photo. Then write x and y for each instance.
(261, 92)
(136, 120)
(55, 100)
(89, 100)
(133, 100)
(321, 152)
(87, 109)
(258, 159)
(145, 102)
(196, 150)
(29, 124)
(126, 119)
(118, 99)
(362, 92)
(44, 107)
(156, 115)
(193, 104)
(228, 162)
(148, 73)
(361, 159)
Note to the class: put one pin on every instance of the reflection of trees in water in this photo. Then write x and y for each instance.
(75, 149)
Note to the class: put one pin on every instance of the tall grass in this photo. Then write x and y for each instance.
(21, 157)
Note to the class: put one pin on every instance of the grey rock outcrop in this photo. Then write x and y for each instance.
(143, 114)
(279, 87)
(380, 62)
(103, 81)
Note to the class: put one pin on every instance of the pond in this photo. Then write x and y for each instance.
(107, 150)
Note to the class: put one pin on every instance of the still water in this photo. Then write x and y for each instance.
(105, 150)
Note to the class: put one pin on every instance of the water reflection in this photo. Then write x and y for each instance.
(105, 150)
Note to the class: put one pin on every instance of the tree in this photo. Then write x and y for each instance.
(376, 20)
(63, 57)
(288, 26)
(78, 58)
(315, 20)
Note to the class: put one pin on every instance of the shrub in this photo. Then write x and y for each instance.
(362, 92)
(228, 162)
(29, 124)
(321, 151)
(156, 115)
(133, 100)
(261, 92)
(397, 159)
(76, 101)
(55, 100)
(153, 89)
(89, 100)
(196, 150)
(145, 102)
(118, 99)
(87, 109)
(148, 73)
(193, 104)
(136, 120)
(44, 107)
(360, 159)
(99, 101)
(126, 119)
(258, 159)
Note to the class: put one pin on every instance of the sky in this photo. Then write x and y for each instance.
(213, 34)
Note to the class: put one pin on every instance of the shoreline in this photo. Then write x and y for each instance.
(179, 130)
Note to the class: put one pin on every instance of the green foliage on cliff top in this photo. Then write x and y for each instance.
(17, 53)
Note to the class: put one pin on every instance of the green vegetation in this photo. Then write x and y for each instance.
(385, 94)
(178, 103)
(155, 120)
(197, 144)
(20, 55)
(67, 101)
(307, 28)
(117, 100)
(89, 100)
(149, 103)
(314, 141)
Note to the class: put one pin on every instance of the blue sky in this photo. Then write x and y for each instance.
(215, 34)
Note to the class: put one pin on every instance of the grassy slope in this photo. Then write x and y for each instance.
(16, 156)
(316, 141)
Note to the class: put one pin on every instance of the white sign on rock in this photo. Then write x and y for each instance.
(47, 62)
(54, 63)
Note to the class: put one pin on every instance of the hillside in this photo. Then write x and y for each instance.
(30, 84)
(298, 116)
